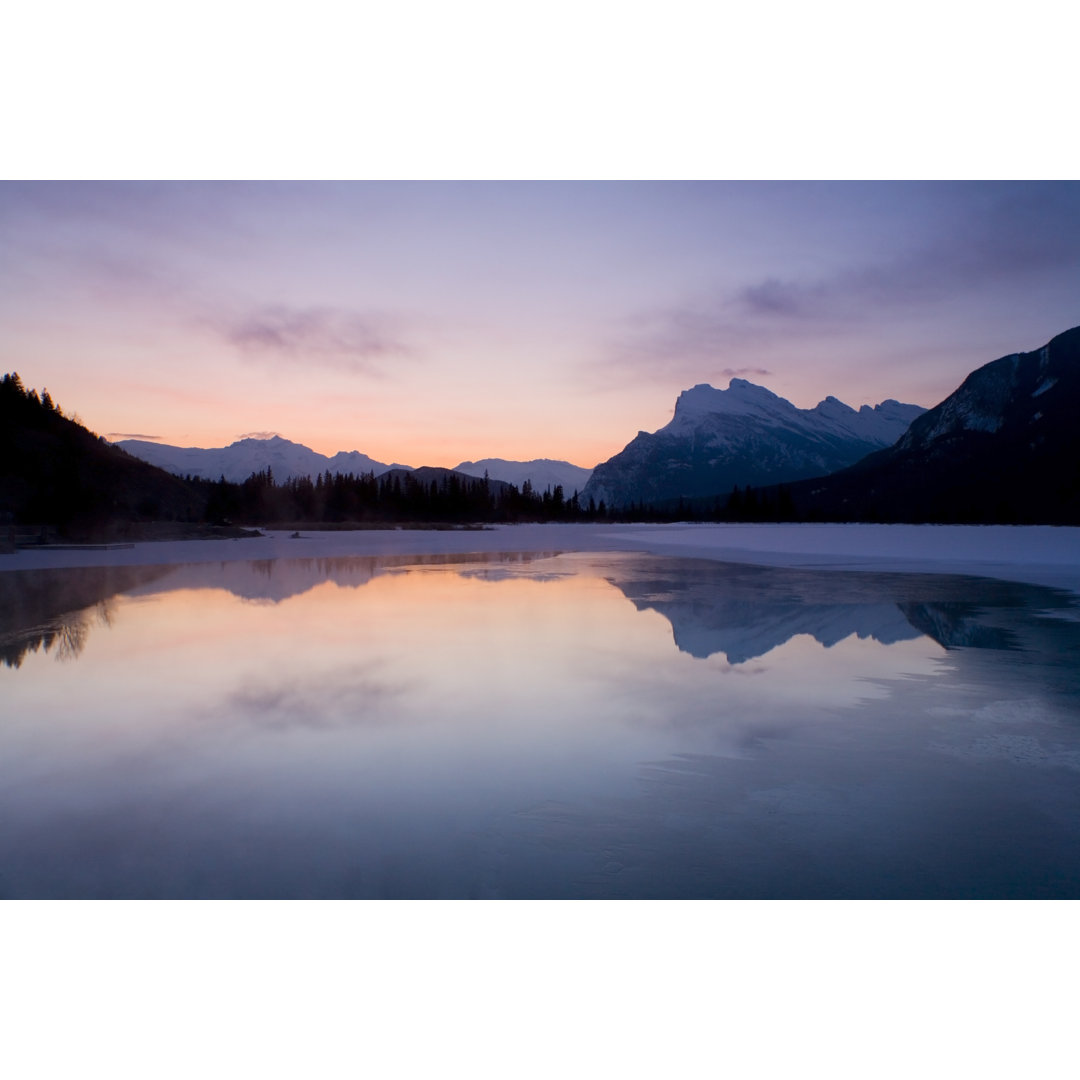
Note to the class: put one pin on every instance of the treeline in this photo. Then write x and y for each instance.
(401, 496)
(53, 471)
(397, 496)
(56, 473)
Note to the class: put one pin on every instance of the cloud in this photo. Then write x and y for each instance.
(980, 236)
(773, 297)
(194, 215)
(738, 373)
(130, 435)
(690, 341)
(356, 696)
(259, 435)
(359, 342)
(977, 240)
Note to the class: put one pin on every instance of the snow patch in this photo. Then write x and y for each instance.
(881, 424)
(741, 398)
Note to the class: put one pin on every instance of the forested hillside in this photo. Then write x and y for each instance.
(54, 471)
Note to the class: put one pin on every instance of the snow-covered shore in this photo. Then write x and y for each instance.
(1046, 555)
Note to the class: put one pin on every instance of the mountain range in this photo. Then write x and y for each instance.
(287, 460)
(542, 473)
(1004, 447)
(737, 610)
(745, 435)
(239, 460)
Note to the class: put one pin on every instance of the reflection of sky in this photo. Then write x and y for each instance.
(479, 651)
(433, 323)
(440, 710)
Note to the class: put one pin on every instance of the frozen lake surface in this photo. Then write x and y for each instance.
(1041, 554)
(535, 724)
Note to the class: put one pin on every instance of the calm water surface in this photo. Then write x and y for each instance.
(602, 725)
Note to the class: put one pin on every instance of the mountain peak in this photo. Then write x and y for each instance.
(834, 408)
(743, 435)
(269, 440)
(250, 453)
(542, 473)
(740, 398)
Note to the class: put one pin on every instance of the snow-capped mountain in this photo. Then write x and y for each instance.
(542, 473)
(1004, 446)
(239, 460)
(288, 459)
(745, 435)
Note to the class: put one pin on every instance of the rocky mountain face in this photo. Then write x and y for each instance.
(1011, 397)
(1003, 447)
(745, 435)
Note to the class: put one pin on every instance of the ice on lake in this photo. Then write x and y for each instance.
(535, 725)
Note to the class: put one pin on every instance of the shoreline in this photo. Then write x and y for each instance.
(1038, 554)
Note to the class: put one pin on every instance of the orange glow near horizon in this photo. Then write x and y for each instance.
(584, 430)
(428, 324)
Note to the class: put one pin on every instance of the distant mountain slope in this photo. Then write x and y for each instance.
(1005, 446)
(743, 435)
(542, 473)
(429, 474)
(53, 471)
(239, 460)
(287, 459)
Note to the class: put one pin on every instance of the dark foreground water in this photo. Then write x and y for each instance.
(535, 726)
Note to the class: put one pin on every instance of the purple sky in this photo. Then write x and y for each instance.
(432, 322)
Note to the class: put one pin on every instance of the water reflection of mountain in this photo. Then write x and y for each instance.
(55, 609)
(741, 611)
(746, 611)
(275, 580)
(956, 624)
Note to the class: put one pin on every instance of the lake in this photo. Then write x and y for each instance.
(547, 725)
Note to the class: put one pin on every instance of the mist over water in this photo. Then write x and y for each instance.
(548, 725)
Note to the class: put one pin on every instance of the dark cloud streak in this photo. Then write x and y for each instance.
(358, 342)
(985, 239)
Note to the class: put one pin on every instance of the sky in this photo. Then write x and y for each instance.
(432, 322)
